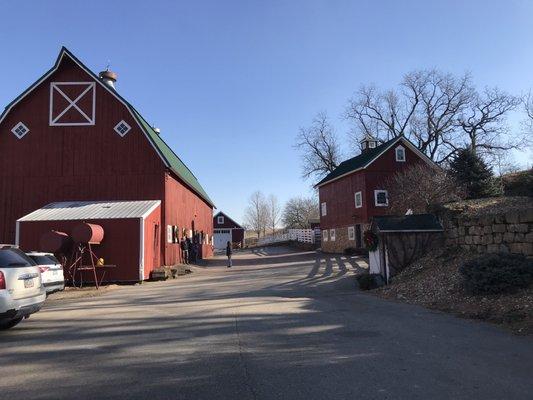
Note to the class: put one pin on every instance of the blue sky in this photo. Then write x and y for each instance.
(230, 82)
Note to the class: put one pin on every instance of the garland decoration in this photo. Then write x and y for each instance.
(371, 240)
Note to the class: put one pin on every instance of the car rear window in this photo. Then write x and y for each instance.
(44, 260)
(13, 258)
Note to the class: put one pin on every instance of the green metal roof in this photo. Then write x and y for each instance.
(358, 162)
(172, 161)
(407, 223)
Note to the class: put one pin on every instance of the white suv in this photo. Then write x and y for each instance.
(51, 271)
(21, 289)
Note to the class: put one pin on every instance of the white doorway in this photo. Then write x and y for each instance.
(221, 237)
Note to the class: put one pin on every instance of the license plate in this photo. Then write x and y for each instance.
(28, 283)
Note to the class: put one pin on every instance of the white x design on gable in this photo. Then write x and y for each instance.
(67, 110)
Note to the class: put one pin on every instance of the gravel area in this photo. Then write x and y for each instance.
(434, 282)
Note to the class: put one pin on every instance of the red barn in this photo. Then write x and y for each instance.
(226, 230)
(354, 192)
(71, 136)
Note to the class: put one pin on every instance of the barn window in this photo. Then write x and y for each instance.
(381, 197)
(358, 200)
(332, 235)
(324, 209)
(325, 235)
(20, 130)
(220, 219)
(400, 154)
(122, 128)
(351, 233)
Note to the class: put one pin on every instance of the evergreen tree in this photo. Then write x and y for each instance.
(471, 172)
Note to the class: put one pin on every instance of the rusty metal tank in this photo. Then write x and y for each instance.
(54, 242)
(88, 233)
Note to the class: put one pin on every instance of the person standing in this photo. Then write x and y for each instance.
(229, 250)
(184, 250)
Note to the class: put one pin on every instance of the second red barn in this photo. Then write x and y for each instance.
(355, 191)
(226, 230)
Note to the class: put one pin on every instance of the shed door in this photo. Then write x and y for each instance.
(221, 237)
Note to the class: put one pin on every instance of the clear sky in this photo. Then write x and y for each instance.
(230, 82)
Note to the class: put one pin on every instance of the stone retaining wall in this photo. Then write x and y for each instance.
(510, 232)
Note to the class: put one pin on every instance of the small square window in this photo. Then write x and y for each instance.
(122, 128)
(332, 235)
(220, 219)
(400, 154)
(358, 200)
(381, 198)
(20, 130)
(372, 145)
(324, 209)
(351, 233)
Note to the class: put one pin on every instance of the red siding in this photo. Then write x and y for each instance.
(237, 235)
(61, 163)
(186, 210)
(152, 242)
(339, 195)
(120, 247)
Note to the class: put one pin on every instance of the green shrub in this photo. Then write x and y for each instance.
(497, 273)
(369, 281)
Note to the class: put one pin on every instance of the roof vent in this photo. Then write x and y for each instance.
(157, 130)
(369, 142)
(109, 77)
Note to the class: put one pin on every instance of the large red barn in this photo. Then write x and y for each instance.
(355, 191)
(72, 136)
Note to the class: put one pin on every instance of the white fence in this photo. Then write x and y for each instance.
(297, 235)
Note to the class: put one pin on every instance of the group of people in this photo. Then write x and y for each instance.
(190, 250)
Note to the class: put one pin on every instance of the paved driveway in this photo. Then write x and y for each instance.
(279, 325)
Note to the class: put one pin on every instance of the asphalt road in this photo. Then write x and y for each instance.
(279, 325)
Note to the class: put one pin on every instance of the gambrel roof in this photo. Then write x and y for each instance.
(367, 157)
(167, 155)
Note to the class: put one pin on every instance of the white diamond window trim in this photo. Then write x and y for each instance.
(122, 128)
(20, 130)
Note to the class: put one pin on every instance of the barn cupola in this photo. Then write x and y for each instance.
(369, 142)
(109, 77)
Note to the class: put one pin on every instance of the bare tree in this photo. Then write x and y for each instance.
(420, 189)
(484, 123)
(274, 212)
(319, 148)
(256, 214)
(299, 211)
(528, 108)
(424, 109)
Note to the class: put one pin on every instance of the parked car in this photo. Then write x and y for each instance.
(51, 271)
(21, 290)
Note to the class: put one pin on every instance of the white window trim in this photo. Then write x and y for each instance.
(325, 235)
(376, 192)
(396, 153)
(220, 219)
(169, 234)
(332, 235)
(120, 133)
(72, 103)
(324, 209)
(351, 233)
(14, 130)
(360, 199)
(372, 144)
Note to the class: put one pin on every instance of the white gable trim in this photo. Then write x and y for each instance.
(64, 52)
(230, 219)
(424, 157)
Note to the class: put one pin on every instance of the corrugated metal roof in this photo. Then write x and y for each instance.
(80, 210)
